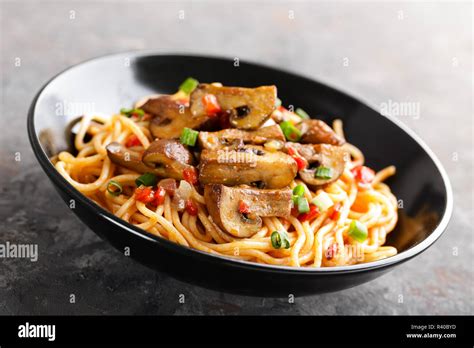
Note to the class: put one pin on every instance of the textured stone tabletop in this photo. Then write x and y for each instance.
(380, 52)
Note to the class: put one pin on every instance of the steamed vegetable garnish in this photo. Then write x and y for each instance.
(114, 188)
(232, 172)
(188, 137)
(358, 231)
(302, 205)
(279, 240)
(290, 131)
(188, 85)
(322, 172)
(132, 112)
(298, 190)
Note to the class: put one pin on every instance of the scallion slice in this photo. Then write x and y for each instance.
(322, 201)
(323, 173)
(114, 188)
(188, 137)
(302, 205)
(147, 179)
(189, 85)
(298, 190)
(301, 113)
(290, 131)
(358, 231)
(280, 240)
(130, 112)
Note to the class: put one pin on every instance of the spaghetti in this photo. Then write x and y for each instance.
(325, 239)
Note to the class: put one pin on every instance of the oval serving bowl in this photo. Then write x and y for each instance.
(108, 83)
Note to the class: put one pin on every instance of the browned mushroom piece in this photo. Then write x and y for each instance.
(223, 205)
(324, 155)
(249, 108)
(168, 158)
(127, 158)
(215, 140)
(249, 164)
(170, 117)
(318, 132)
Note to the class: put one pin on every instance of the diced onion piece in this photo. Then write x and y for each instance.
(322, 201)
(184, 190)
(114, 188)
(298, 190)
(274, 145)
(301, 113)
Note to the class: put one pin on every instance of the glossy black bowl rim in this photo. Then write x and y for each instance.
(64, 185)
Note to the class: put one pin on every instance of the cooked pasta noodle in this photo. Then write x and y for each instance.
(321, 242)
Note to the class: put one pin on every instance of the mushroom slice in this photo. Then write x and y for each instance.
(249, 108)
(170, 117)
(223, 205)
(324, 155)
(168, 158)
(214, 140)
(127, 158)
(249, 164)
(318, 132)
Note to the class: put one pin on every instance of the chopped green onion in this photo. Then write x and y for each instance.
(322, 201)
(358, 231)
(298, 190)
(147, 179)
(130, 112)
(188, 137)
(274, 145)
(114, 188)
(323, 173)
(279, 240)
(188, 85)
(277, 102)
(301, 113)
(291, 132)
(302, 205)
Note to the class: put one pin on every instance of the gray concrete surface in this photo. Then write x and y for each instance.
(415, 52)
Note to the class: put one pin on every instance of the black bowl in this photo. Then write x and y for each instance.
(108, 83)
